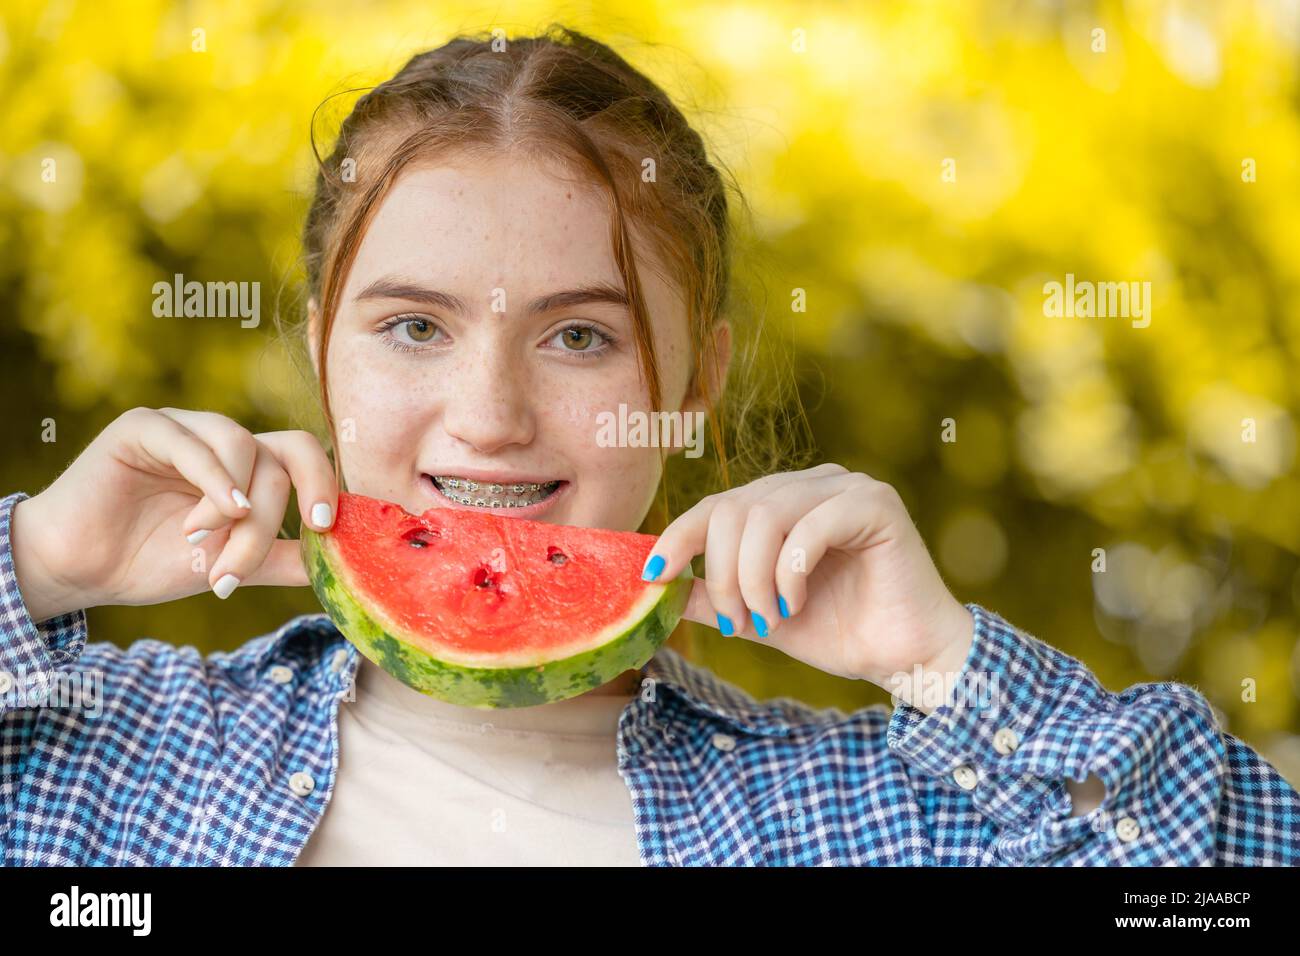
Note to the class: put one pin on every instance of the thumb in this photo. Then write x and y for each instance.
(283, 566)
(698, 607)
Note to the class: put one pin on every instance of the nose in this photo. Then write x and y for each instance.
(488, 403)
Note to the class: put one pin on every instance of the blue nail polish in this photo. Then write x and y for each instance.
(725, 625)
(653, 568)
(785, 608)
(760, 625)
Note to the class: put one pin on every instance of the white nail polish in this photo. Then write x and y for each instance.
(225, 586)
(239, 498)
(194, 537)
(320, 514)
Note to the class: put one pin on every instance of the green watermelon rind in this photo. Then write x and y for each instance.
(491, 687)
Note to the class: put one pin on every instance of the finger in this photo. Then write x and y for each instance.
(251, 537)
(301, 456)
(761, 538)
(698, 606)
(685, 537)
(282, 567)
(853, 519)
(202, 519)
(201, 556)
(726, 523)
(231, 442)
(766, 524)
(172, 445)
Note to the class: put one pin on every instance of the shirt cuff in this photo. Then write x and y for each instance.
(30, 652)
(1017, 720)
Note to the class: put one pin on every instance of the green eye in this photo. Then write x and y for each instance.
(583, 341)
(579, 337)
(420, 330)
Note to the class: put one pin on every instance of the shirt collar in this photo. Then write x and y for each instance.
(309, 643)
(710, 695)
(695, 686)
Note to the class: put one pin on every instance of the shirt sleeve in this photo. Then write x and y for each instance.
(29, 652)
(1022, 717)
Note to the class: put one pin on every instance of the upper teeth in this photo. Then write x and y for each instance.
(532, 491)
(470, 485)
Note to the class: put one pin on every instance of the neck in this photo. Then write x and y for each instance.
(625, 684)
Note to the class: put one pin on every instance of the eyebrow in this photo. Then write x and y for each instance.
(396, 287)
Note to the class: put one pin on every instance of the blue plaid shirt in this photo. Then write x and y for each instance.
(231, 759)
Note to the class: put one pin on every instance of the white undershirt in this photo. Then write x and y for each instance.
(424, 782)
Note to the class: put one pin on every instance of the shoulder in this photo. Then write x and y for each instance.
(149, 669)
(1259, 811)
(695, 691)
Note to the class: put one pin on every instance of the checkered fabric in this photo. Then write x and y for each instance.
(158, 755)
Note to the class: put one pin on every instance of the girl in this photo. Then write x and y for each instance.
(490, 267)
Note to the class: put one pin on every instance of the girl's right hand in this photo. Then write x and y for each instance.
(122, 524)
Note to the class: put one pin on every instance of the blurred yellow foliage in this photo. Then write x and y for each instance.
(920, 170)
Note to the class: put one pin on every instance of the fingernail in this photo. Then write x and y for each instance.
(725, 625)
(653, 568)
(760, 625)
(225, 586)
(195, 537)
(321, 514)
(785, 608)
(239, 498)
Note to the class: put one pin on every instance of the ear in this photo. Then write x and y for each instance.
(707, 388)
(313, 333)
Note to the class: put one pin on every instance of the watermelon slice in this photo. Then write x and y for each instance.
(487, 611)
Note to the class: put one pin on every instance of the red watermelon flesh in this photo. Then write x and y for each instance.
(489, 609)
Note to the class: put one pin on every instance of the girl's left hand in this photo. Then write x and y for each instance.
(838, 550)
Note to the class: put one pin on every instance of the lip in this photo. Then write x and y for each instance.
(501, 478)
(498, 477)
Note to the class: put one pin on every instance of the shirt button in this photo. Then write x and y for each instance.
(724, 742)
(1005, 740)
(6, 682)
(281, 674)
(965, 777)
(340, 658)
(1127, 829)
(302, 783)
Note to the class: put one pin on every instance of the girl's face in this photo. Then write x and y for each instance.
(479, 337)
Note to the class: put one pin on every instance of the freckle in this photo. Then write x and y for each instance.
(568, 195)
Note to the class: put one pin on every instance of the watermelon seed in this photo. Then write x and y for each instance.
(420, 537)
(555, 555)
(483, 578)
